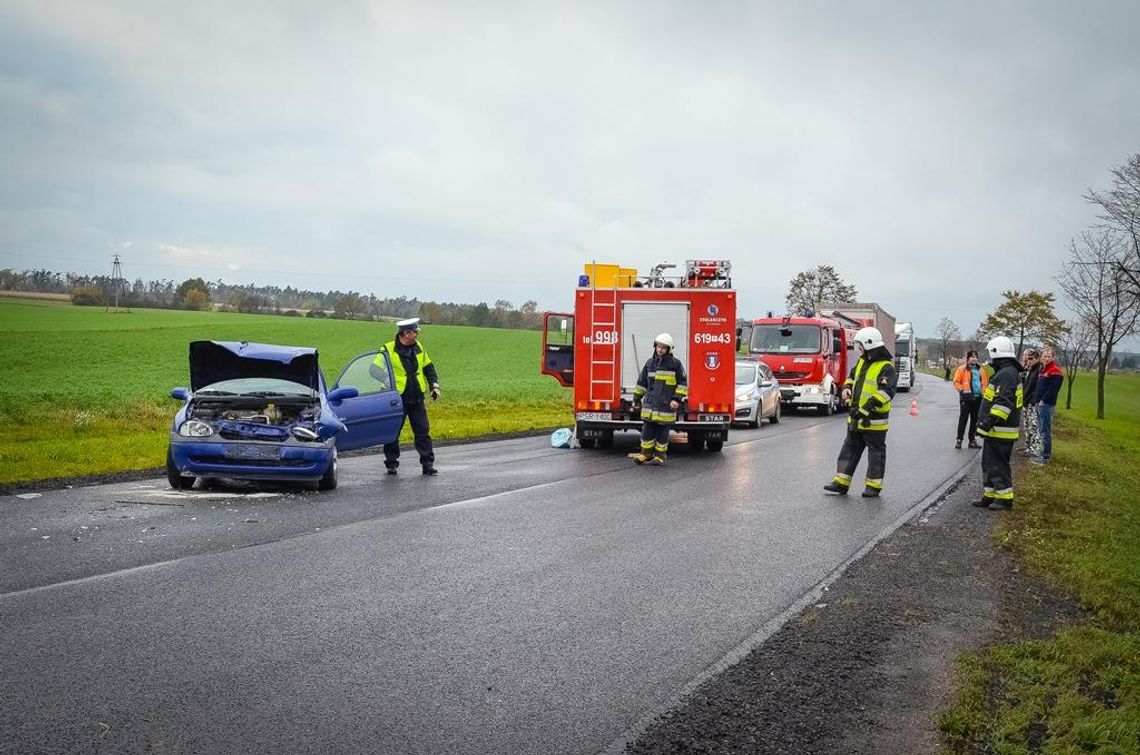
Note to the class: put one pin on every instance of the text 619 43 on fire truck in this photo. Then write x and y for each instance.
(600, 348)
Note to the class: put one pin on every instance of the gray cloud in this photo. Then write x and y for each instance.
(934, 154)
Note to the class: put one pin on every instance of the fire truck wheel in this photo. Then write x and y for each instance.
(606, 441)
(586, 442)
(714, 445)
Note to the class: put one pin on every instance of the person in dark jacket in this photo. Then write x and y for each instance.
(1045, 398)
(998, 420)
(970, 380)
(660, 392)
(868, 390)
(416, 379)
(1031, 368)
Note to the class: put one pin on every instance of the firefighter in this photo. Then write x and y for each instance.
(416, 379)
(998, 420)
(868, 390)
(660, 391)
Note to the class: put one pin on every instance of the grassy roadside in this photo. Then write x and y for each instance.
(1077, 524)
(83, 391)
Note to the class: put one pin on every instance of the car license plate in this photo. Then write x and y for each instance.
(595, 416)
(250, 451)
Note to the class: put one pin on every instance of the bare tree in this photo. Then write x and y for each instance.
(1072, 353)
(976, 342)
(811, 287)
(948, 336)
(1100, 293)
(1119, 207)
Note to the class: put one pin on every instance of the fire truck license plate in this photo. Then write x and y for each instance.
(714, 418)
(597, 416)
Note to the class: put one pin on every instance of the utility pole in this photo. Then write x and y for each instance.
(117, 284)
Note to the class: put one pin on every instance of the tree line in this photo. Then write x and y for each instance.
(202, 295)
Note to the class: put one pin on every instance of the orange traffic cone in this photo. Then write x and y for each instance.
(914, 407)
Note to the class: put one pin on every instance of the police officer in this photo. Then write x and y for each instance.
(869, 390)
(998, 420)
(661, 389)
(416, 379)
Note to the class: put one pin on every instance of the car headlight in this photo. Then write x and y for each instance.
(304, 433)
(813, 389)
(193, 428)
(746, 396)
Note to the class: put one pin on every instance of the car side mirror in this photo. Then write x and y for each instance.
(182, 394)
(340, 394)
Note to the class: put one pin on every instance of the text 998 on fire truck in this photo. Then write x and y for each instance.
(599, 350)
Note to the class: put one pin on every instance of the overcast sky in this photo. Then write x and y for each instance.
(477, 151)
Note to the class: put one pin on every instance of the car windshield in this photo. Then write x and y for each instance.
(745, 374)
(261, 387)
(785, 339)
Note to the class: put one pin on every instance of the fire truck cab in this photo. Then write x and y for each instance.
(600, 348)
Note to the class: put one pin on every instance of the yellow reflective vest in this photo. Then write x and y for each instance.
(422, 359)
(872, 387)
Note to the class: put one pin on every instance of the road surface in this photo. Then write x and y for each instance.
(528, 599)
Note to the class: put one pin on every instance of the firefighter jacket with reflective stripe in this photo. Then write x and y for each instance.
(425, 368)
(872, 385)
(662, 380)
(1000, 412)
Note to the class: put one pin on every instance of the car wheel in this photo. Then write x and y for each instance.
(328, 479)
(775, 418)
(173, 476)
(714, 445)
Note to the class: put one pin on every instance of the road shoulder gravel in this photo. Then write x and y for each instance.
(868, 668)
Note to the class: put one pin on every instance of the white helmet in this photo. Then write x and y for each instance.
(870, 338)
(1001, 346)
(664, 339)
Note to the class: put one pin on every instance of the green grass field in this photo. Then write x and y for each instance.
(1077, 524)
(86, 391)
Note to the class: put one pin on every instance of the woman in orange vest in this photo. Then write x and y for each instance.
(970, 381)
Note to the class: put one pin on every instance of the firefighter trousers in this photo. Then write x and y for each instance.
(876, 444)
(997, 478)
(654, 438)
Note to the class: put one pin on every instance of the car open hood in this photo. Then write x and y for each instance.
(215, 361)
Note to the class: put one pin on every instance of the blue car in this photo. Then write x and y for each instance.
(256, 411)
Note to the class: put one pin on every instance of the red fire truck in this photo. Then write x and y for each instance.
(812, 355)
(599, 350)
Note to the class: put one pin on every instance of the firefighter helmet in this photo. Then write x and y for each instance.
(1001, 346)
(665, 340)
(869, 338)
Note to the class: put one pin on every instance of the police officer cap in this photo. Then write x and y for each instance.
(405, 325)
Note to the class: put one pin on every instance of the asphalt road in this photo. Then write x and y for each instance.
(527, 599)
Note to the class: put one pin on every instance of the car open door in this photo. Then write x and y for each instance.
(558, 347)
(375, 415)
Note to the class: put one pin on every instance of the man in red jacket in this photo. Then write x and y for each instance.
(1045, 397)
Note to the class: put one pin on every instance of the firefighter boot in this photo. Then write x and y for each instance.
(641, 458)
(835, 487)
(981, 504)
(658, 460)
(870, 492)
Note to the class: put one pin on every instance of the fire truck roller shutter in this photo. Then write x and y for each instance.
(640, 323)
